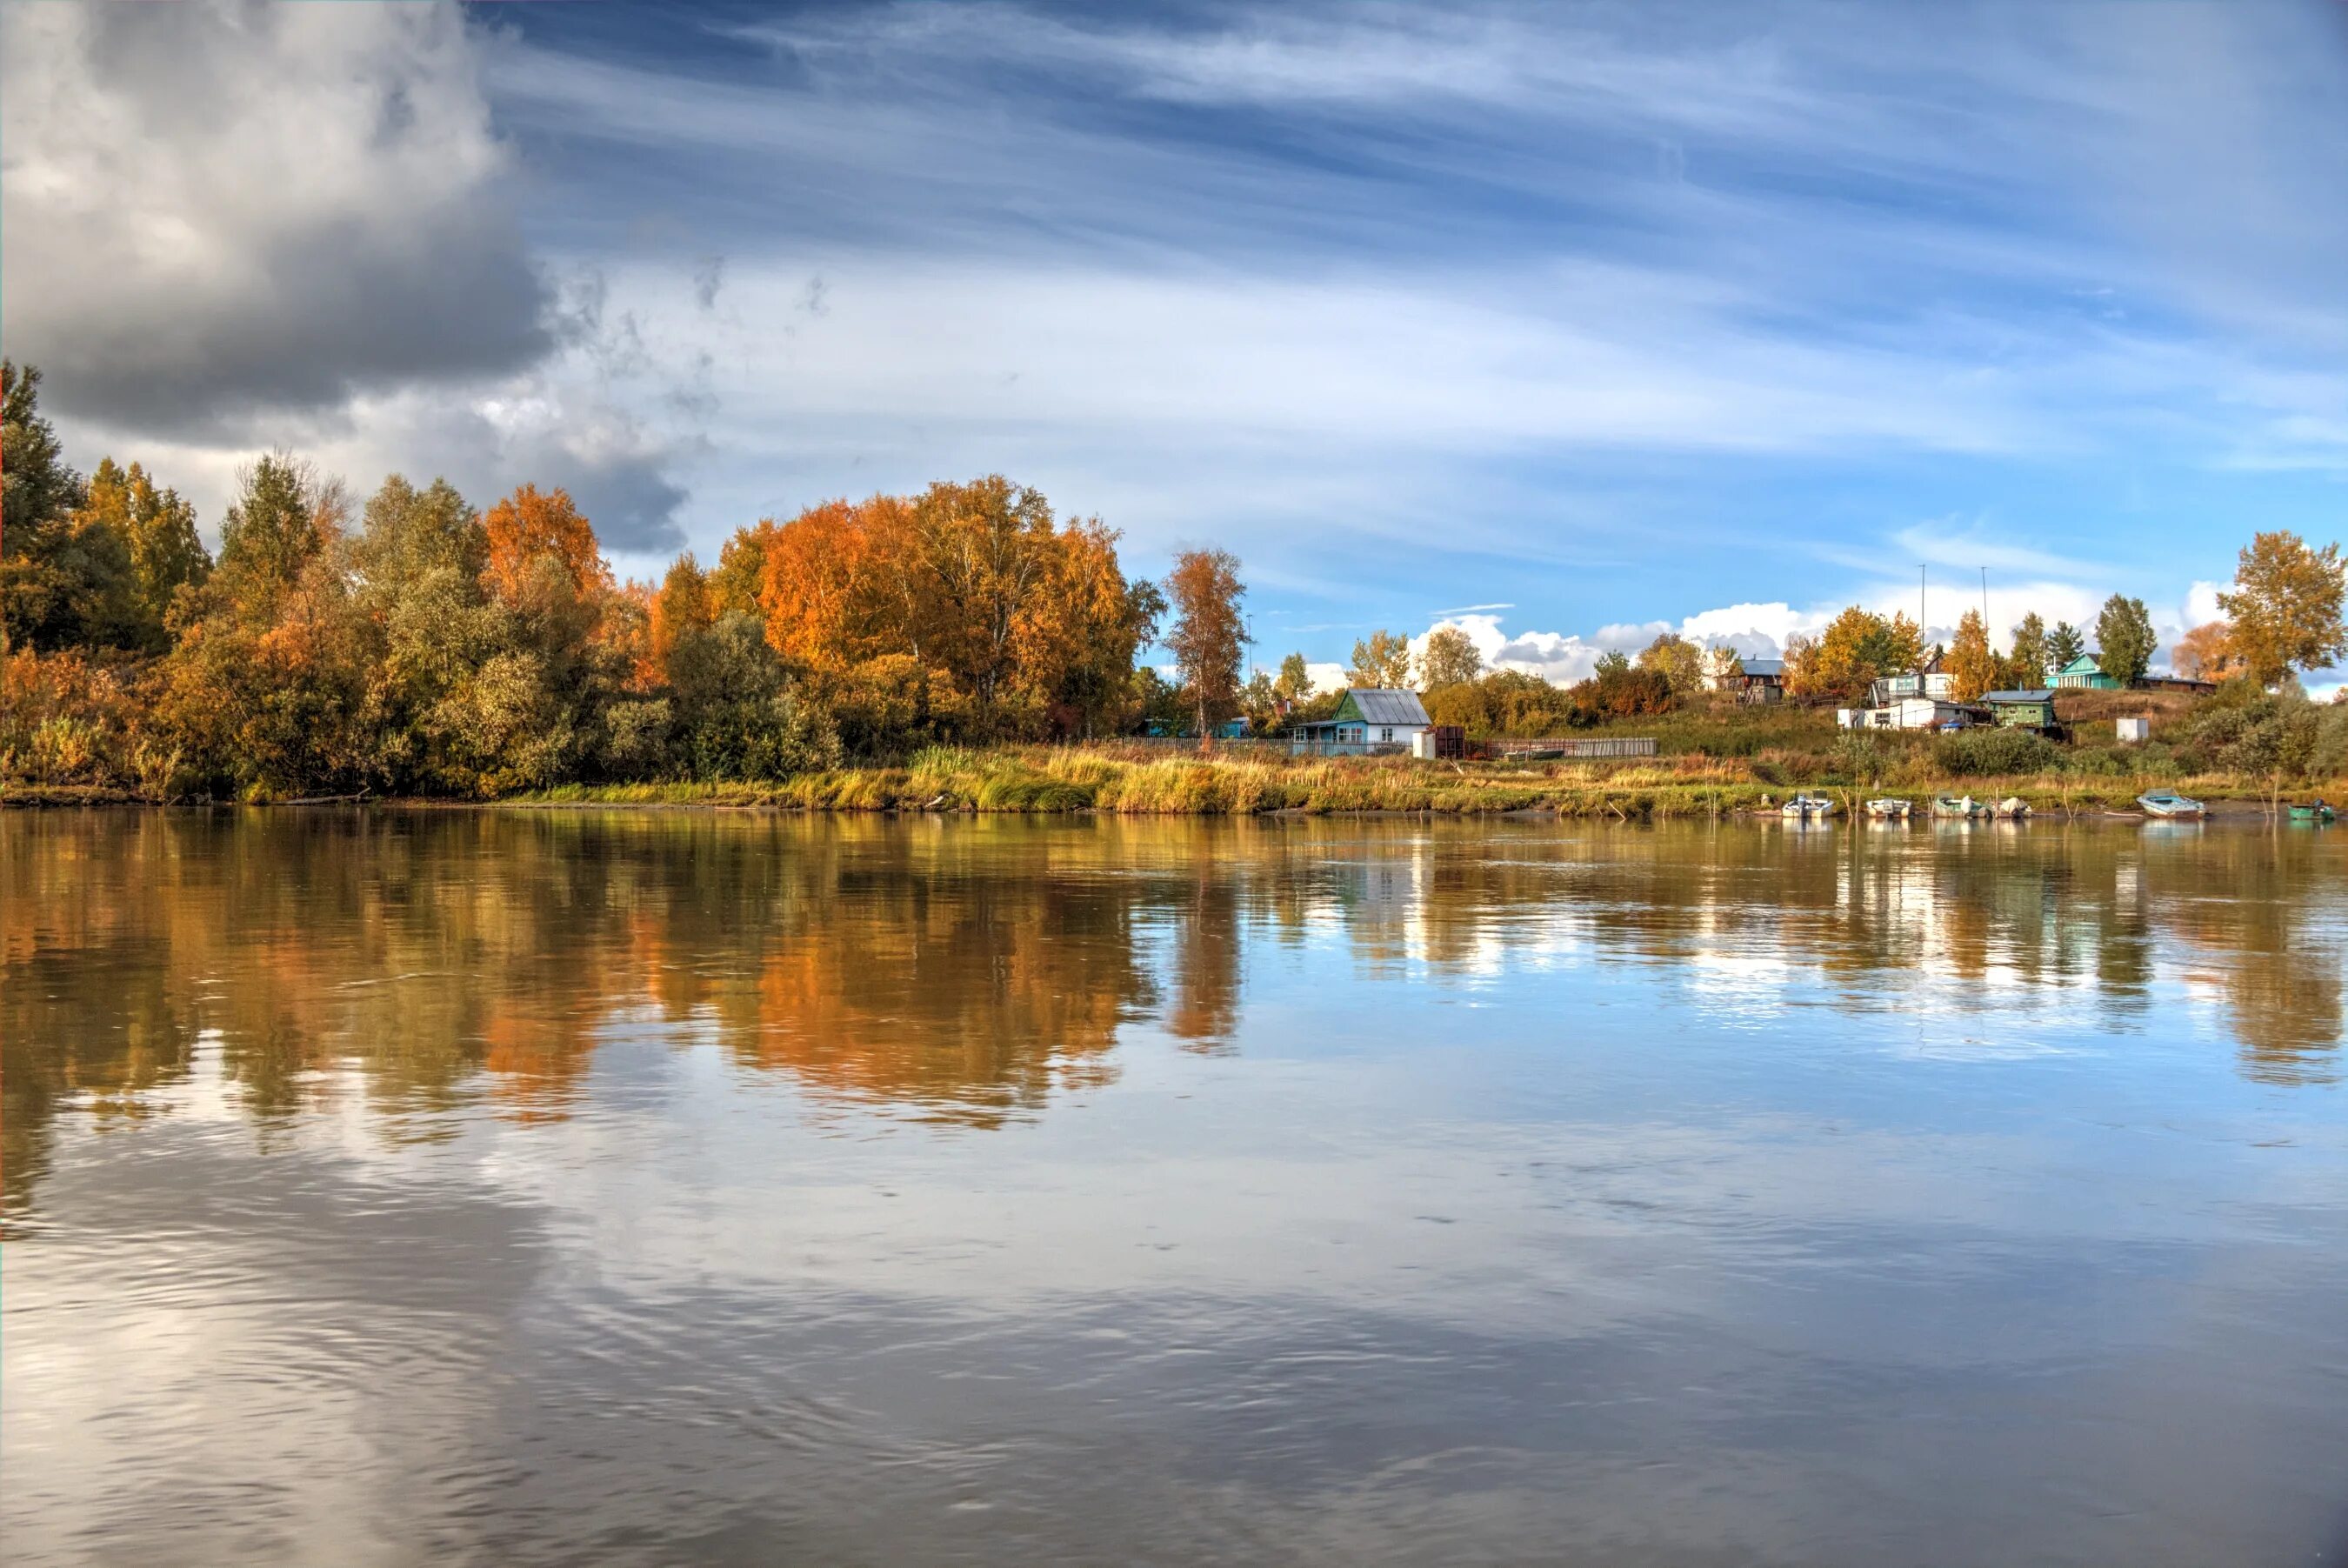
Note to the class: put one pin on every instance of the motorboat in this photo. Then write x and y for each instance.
(2317, 811)
(1809, 806)
(1890, 809)
(2169, 803)
(2013, 809)
(1959, 806)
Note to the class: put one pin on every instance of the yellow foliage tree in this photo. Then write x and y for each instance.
(2286, 605)
(1973, 664)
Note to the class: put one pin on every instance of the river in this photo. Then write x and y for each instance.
(389, 1187)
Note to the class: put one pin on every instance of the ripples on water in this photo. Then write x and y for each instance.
(522, 1188)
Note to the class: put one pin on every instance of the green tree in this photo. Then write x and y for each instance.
(285, 516)
(1381, 661)
(1294, 680)
(65, 579)
(2125, 639)
(1450, 658)
(2285, 606)
(2064, 646)
(2029, 657)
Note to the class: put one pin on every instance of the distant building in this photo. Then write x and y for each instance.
(2132, 731)
(1369, 720)
(1931, 681)
(1759, 680)
(2085, 673)
(2021, 709)
(1914, 713)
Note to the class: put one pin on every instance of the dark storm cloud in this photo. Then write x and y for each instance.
(218, 212)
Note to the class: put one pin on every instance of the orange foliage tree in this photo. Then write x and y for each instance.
(532, 523)
(2206, 653)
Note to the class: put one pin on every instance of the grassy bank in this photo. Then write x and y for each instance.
(1067, 779)
(1711, 765)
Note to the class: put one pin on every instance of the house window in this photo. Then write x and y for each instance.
(1386, 735)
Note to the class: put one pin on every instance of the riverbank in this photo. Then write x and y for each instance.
(1043, 780)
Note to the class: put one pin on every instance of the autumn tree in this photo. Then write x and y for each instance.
(2064, 646)
(1677, 660)
(64, 578)
(2286, 606)
(685, 604)
(1209, 639)
(2028, 660)
(1971, 663)
(1383, 660)
(531, 523)
(2206, 653)
(285, 516)
(2124, 640)
(1450, 658)
(1723, 668)
(1856, 647)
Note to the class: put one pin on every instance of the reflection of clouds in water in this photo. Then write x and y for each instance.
(816, 1190)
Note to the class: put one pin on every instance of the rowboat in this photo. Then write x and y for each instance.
(2169, 803)
(2013, 809)
(2314, 811)
(1890, 809)
(1809, 806)
(1963, 806)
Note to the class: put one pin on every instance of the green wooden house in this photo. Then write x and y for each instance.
(2021, 709)
(2084, 671)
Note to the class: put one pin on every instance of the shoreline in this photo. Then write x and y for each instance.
(1209, 792)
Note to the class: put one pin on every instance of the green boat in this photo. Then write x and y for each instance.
(1960, 806)
(2315, 811)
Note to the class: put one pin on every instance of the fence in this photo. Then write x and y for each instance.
(1566, 748)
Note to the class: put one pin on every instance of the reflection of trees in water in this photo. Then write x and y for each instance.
(2241, 903)
(966, 969)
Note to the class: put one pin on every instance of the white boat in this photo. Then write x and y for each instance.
(1809, 806)
(1890, 809)
(2169, 803)
(2013, 809)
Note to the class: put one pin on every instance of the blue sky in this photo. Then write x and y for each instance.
(1566, 322)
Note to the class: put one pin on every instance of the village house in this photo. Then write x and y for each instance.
(1369, 721)
(2086, 672)
(1914, 711)
(2021, 709)
(1755, 680)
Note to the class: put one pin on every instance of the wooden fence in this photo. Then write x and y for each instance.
(1566, 748)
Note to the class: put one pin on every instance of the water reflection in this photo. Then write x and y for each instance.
(550, 1187)
(965, 970)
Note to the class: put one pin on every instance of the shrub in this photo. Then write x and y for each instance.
(1989, 753)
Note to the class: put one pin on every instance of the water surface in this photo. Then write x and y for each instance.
(437, 1187)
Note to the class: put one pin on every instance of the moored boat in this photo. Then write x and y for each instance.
(2169, 803)
(1963, 806)
(2314, 812)
(2014, 808)
(1890, 809)
(1809, 806)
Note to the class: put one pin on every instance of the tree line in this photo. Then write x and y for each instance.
(410, 643)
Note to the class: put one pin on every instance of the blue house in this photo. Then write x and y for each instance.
(2086, 671)
(1369, 721)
